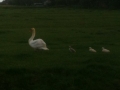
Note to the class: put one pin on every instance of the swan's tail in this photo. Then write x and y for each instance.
(45, 48)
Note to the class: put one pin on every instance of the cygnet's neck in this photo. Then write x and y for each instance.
(32, 37)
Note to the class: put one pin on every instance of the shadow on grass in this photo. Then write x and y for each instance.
(58, 79)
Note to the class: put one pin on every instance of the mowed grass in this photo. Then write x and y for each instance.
(21, 68)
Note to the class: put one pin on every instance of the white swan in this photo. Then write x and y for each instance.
(71, 49)
(37, 44)
(105, 50)
(92, 50)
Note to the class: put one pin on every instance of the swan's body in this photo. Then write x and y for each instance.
(71, 49)
(105, 50)
(92, 50)
(38, 43)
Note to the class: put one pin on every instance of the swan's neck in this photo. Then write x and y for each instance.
(32, 37)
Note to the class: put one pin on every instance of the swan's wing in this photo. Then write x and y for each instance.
(38, 44)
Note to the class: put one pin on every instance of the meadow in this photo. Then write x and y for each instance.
(21, 68)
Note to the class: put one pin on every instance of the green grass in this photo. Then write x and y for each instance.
(21, 68)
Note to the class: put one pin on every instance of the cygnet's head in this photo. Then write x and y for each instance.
(102, 47)
(32, 29)
(89, 47)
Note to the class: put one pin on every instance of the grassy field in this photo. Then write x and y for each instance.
(21, 68)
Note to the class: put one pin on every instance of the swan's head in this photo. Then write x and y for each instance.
(32, 29)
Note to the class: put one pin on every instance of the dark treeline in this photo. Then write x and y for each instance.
(108, 4)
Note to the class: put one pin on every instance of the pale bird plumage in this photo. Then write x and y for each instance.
(71, 49)
(105, 50)
(37, 44)
(92, 50)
